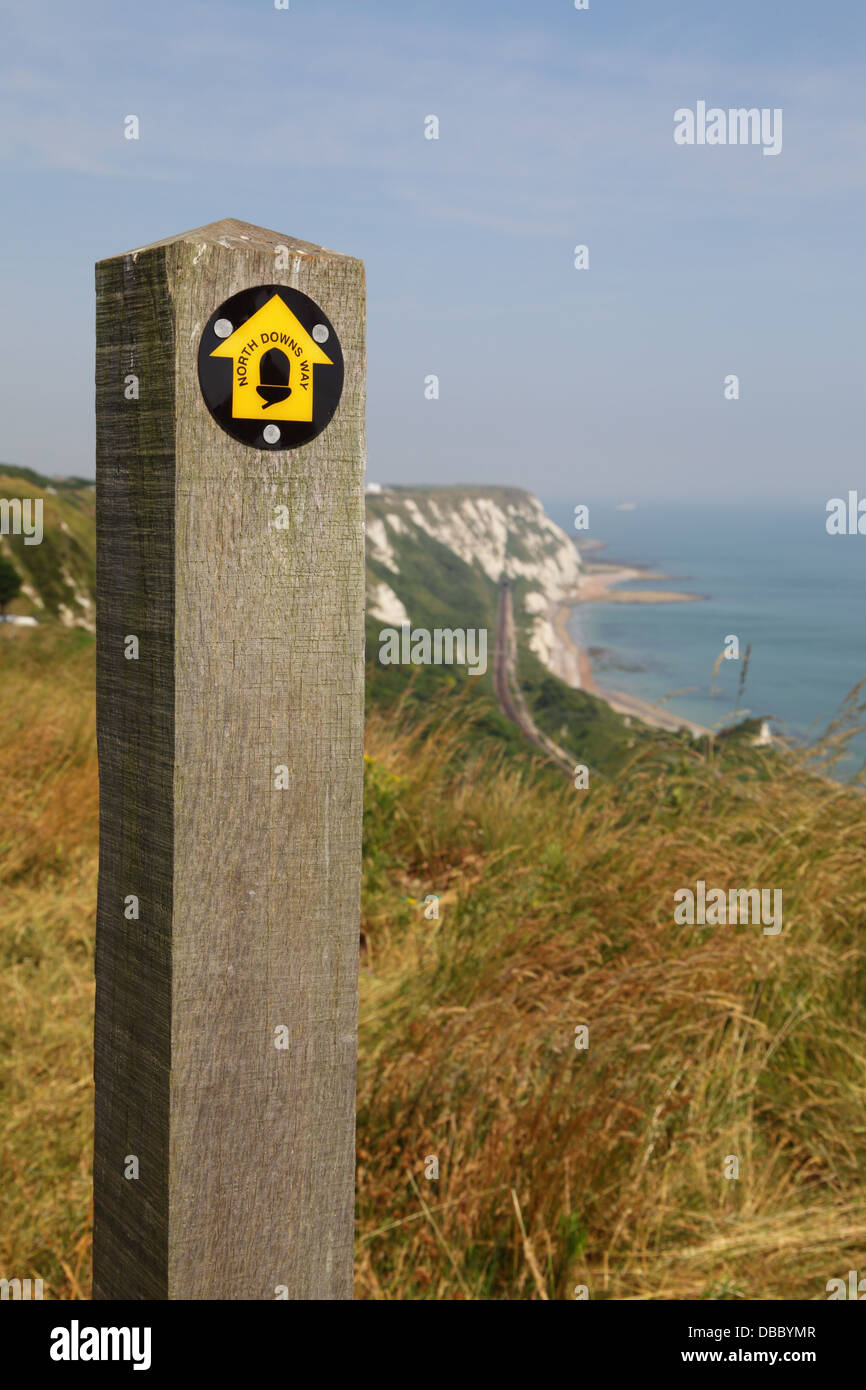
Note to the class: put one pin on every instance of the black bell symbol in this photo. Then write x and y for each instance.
(274, 377)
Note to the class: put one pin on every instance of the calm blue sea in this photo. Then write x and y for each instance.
(774, 578)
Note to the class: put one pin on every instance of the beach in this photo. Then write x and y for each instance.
(572, 663)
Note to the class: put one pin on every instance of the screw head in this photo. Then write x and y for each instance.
(222, 328)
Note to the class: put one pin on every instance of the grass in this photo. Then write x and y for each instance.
(48, 855)
(703, 1043)
(558, 1167)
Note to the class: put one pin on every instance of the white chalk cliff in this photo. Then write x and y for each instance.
(501, 531)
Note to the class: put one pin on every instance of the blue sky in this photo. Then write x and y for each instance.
(556, 128)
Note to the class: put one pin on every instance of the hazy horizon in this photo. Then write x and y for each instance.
(809, 504)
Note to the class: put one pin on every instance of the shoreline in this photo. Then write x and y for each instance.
(596, 585)
(572, 664)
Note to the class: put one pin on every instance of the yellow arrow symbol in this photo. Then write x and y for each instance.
(272, 338)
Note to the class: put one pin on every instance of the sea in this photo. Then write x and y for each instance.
(793, 595)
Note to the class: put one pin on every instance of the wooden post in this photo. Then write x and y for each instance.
(230, 723)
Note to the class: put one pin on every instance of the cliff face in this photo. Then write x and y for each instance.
(491, 531)
(435, 556)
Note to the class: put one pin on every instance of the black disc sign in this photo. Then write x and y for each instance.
(270, 367)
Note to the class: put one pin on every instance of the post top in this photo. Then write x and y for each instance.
(236, 235)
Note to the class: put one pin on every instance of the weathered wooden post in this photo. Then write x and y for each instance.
(230, 455)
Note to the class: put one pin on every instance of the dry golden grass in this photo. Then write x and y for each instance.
(703, 1042)
(48, 855)
(558, 1167)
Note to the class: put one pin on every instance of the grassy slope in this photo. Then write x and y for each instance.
(68, 550)
(555, 910)
(703, 1043)
(48, 852)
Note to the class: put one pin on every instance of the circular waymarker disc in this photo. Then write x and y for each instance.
(270, 367)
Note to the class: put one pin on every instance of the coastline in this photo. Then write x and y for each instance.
(596, 585)
(572, 664)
